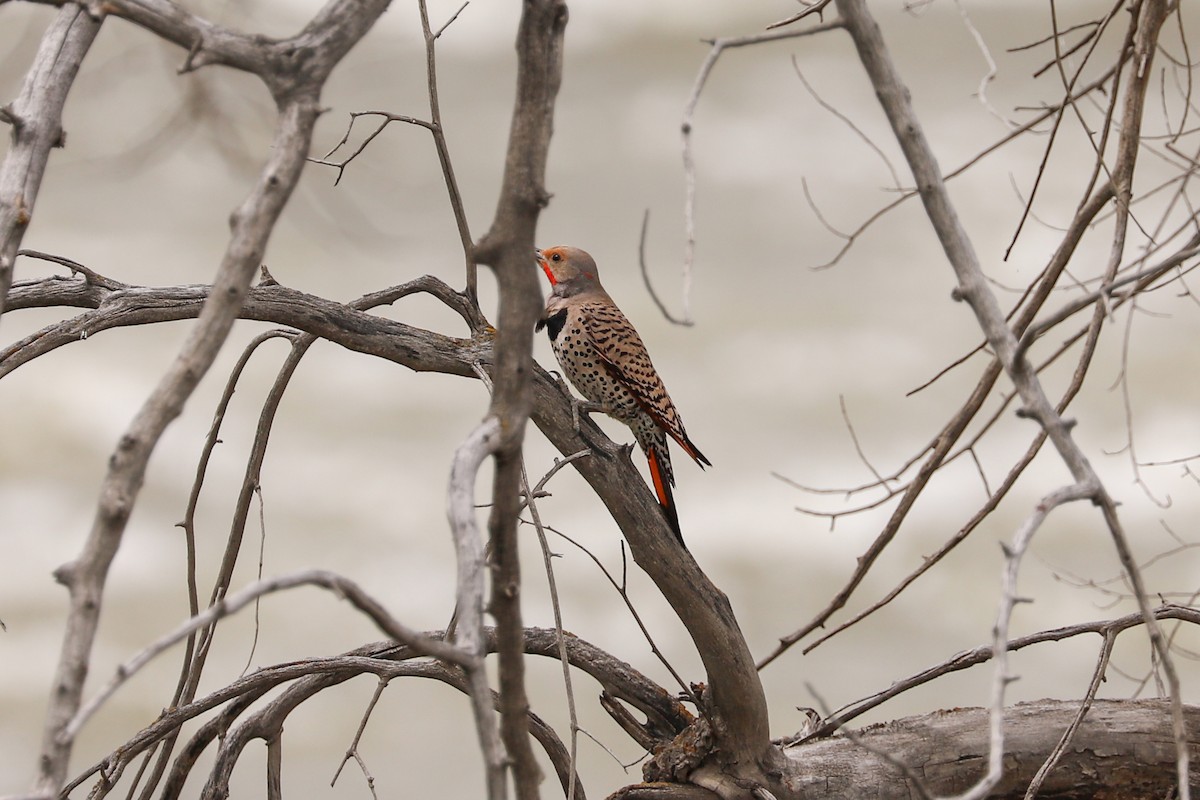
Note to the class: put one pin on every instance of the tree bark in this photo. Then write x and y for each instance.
(296, 71)
(1123, 749)
(508, 249)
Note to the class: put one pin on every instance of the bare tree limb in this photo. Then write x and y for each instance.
(980, 655)
(1038, 297)
(337, 584)
(389, 660)
(468, 550)
(35, 117)
(189, 676)
(738, 702)
(443, 149)
(508, 248)
(972, 287)
(296, 92)
(1008, 600)
(719, 46)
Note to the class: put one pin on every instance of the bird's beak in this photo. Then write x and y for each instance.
(545, 265)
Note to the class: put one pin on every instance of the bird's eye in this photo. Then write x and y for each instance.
(556, 257)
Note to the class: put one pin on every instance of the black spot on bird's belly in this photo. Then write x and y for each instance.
(554, 324)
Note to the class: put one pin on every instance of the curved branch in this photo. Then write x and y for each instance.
(982, 654)
(665, 716)
(299, 68)
(344, 324)
(738, 701)
(718, 46)
(343, 587)
(193, 656)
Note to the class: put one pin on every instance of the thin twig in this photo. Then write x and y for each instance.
(622, 590)
(988, 76)
(719, 46)
(352, 750)
(810, 8)
(1011, 136)
(548, 565)
(849, 123)
(387, 119)
(914, 782)
(662, 307)
(1008, 600)
(1098, 676)
(443, 148)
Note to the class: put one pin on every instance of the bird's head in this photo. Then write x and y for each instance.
(569, 269)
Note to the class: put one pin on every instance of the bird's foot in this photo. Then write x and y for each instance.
(581, 407)
(597, 444)
(571, 398)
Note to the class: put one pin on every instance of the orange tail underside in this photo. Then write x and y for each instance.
(662, 488)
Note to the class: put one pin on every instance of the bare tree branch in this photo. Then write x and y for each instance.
(337, 584)
(719, 46)
(388, 660)
(973, 288)
(508, 248)
(468, 549)
(1008, 600)
(342, 23)
(35, 117)
(738, 701)
(980, 655)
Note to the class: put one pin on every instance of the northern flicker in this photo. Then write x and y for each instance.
(602, 355)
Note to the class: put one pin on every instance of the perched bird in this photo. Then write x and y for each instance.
(604, 358)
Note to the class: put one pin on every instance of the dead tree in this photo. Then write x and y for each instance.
(714, 737)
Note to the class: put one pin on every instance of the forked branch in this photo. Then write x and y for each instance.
(973, 287)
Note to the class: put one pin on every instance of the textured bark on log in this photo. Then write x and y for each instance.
(1123, 749)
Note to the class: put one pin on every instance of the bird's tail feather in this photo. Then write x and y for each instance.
(660, 474)
(692, 450)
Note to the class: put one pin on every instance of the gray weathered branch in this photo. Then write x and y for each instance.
(739, 703)
(468, 550)
(36, 120)
(507, 247)
(295, 74)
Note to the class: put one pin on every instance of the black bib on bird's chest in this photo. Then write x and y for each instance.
(553, 324)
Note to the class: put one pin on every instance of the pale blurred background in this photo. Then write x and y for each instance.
(355, 476)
